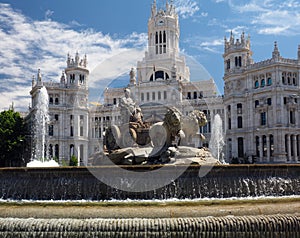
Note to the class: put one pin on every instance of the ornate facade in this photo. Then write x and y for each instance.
(260, 107)
(161, 80)
(261, 102)
(68, 111)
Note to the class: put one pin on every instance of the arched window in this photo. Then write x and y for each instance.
(56, 151)
(256, 84)
(240, 147)
(257, 145)
(269, 81)
(283, 77)
(263, 83)
(195, 95)
(240, 122)
(294, 79)
(160, 75)
(51, 151)
(239, 108)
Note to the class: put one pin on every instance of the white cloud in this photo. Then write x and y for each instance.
(186, 8)
(28, 45)
(274, 17)
(208, 44)
(48, 14)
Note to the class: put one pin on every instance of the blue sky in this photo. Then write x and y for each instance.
(39, 34)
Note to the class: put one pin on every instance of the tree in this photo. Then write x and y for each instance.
(73, 161)
(12, 137)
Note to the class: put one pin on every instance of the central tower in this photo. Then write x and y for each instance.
(162, 60)
(163, 31)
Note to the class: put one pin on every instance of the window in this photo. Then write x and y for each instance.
(56, 152)
(115, 101)
(148, 96)
(56, 101)
(51, 151)
(269, 81)
(289, 78)
(201, 94)
(189, 95)
(56, 117)
(160, 42)
(271, 145)
(153, 96)
(263, 118)
(257, 145)
(269, 101)
(51, 100)
(283, 77)
(165, 94)
(239, 108)
(81, 131)
(256, 84)
(142, 97)
(240, 122)
(159, 95)
(256, 103)
(263, 83)
(195, 95)
(240, 147)
(264, 142)
(292, 117)
(229, 123)
(238, 61)
(284, 100)
(228, 64)
(71, 131)
(51, 130)
(81, 79)
(295, 79)
(72, 78)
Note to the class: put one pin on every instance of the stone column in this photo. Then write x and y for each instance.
(261, 149)
(294, 144)
(268, 148)
(288, 147)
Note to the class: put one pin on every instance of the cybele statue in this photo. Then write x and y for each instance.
(138, 142)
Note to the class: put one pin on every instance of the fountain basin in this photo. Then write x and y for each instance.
(230, 201)
(222, 181)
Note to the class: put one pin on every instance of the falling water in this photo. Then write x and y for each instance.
(41, 120)
(217, 143)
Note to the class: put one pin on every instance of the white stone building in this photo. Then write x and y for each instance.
(261, 102)
(68, 112)
(161, 80)
(261, 99)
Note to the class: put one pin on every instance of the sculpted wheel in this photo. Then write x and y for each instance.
(112, 137)
(128, 137)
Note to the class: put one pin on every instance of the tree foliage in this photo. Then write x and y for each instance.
(12, 136)
(73, 161)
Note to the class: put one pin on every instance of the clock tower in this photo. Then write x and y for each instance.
(162, 60)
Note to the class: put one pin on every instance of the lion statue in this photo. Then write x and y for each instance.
(164, 133)
(190, 125)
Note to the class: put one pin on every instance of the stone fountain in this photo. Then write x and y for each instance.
(39, 157)
(151, 184)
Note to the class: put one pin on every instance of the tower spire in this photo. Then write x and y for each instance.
(154, 10)
(275, 54)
